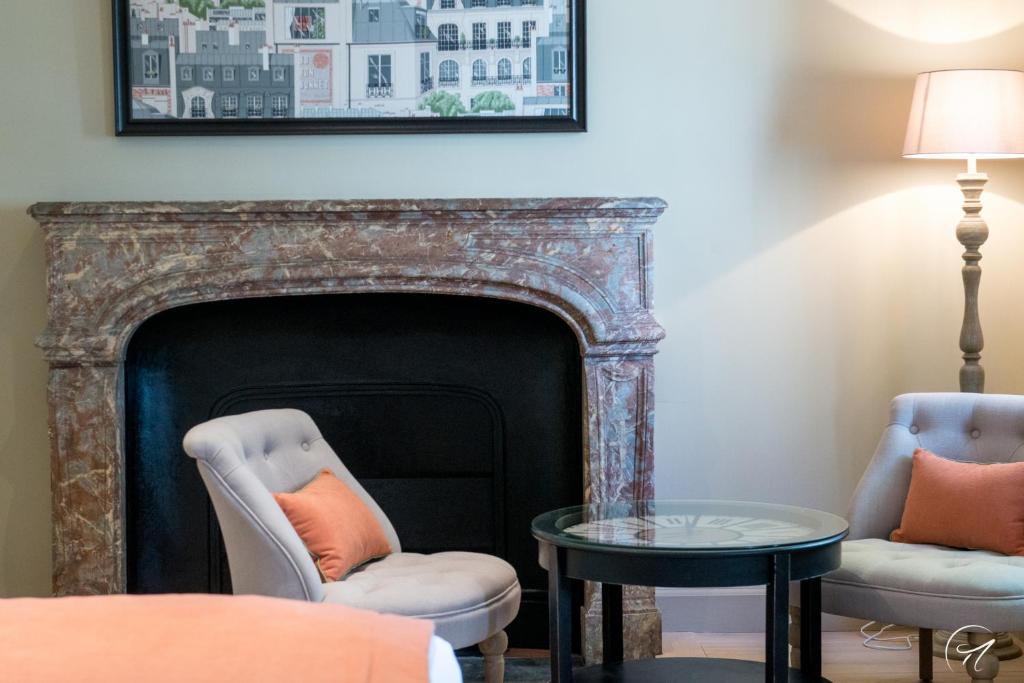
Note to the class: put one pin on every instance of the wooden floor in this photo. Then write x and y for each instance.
(846, 660)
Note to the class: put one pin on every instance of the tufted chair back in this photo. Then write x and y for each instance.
(984, 428)
(243, 460)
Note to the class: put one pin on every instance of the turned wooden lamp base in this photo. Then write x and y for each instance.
(972, 233)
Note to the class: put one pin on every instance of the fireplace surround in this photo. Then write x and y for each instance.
(113, 265)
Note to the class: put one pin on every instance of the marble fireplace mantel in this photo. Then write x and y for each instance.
(112, 265)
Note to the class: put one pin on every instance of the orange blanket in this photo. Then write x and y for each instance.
(133, 638)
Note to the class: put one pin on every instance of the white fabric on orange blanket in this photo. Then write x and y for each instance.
(444, 667)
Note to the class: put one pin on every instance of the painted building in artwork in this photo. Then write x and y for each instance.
(393, 57)
(237, 18)
(157, 9)
(552, 98)
(152, 59)
(235, 75)
(317, 34)
(348, 58)
(488, 46)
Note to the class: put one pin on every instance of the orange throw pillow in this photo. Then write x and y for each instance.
(964, 505)
(337, 527)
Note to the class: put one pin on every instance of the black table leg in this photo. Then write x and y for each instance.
(611, 622)
(810, 628)
(776, 669)
(559, 616)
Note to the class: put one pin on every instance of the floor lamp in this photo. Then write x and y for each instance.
(969, 114)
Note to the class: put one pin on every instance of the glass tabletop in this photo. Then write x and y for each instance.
(689, 525)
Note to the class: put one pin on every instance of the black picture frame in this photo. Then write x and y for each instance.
(126, 125)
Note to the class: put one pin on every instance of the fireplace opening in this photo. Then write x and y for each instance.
(462, 417)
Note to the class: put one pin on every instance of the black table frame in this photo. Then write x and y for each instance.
(614, 567)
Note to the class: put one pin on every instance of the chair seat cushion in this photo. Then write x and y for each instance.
(468, 596)
(927, 586)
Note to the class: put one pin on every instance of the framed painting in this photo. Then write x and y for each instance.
(235, 67)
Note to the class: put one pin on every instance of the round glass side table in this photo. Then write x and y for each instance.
(689, 543)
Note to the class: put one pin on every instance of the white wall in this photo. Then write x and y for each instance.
(805, 273)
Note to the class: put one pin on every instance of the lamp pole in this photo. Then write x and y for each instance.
(972, 232)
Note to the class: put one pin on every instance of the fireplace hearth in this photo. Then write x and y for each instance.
(127, 279)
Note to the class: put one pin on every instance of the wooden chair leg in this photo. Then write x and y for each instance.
(983, 667)
(924, 653)
(493, 650)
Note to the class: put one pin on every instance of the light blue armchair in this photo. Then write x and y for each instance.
(927, 586)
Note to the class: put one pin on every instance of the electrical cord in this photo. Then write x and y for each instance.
(874, 640)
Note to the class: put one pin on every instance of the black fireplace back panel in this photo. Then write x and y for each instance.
(461, 416)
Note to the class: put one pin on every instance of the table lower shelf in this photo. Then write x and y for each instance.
(681, 670)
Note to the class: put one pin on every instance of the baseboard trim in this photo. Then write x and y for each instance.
(725, 610)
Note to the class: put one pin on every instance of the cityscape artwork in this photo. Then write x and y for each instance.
(312, 66)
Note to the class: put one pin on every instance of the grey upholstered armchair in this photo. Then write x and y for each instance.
(470, 597)
(927, 586)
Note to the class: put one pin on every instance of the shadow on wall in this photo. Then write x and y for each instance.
(918, 202)
(834, 124)
(24, 453)
(837, 276)
(830, 116)
(835, 127)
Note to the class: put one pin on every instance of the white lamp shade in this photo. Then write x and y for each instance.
(966, 113)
